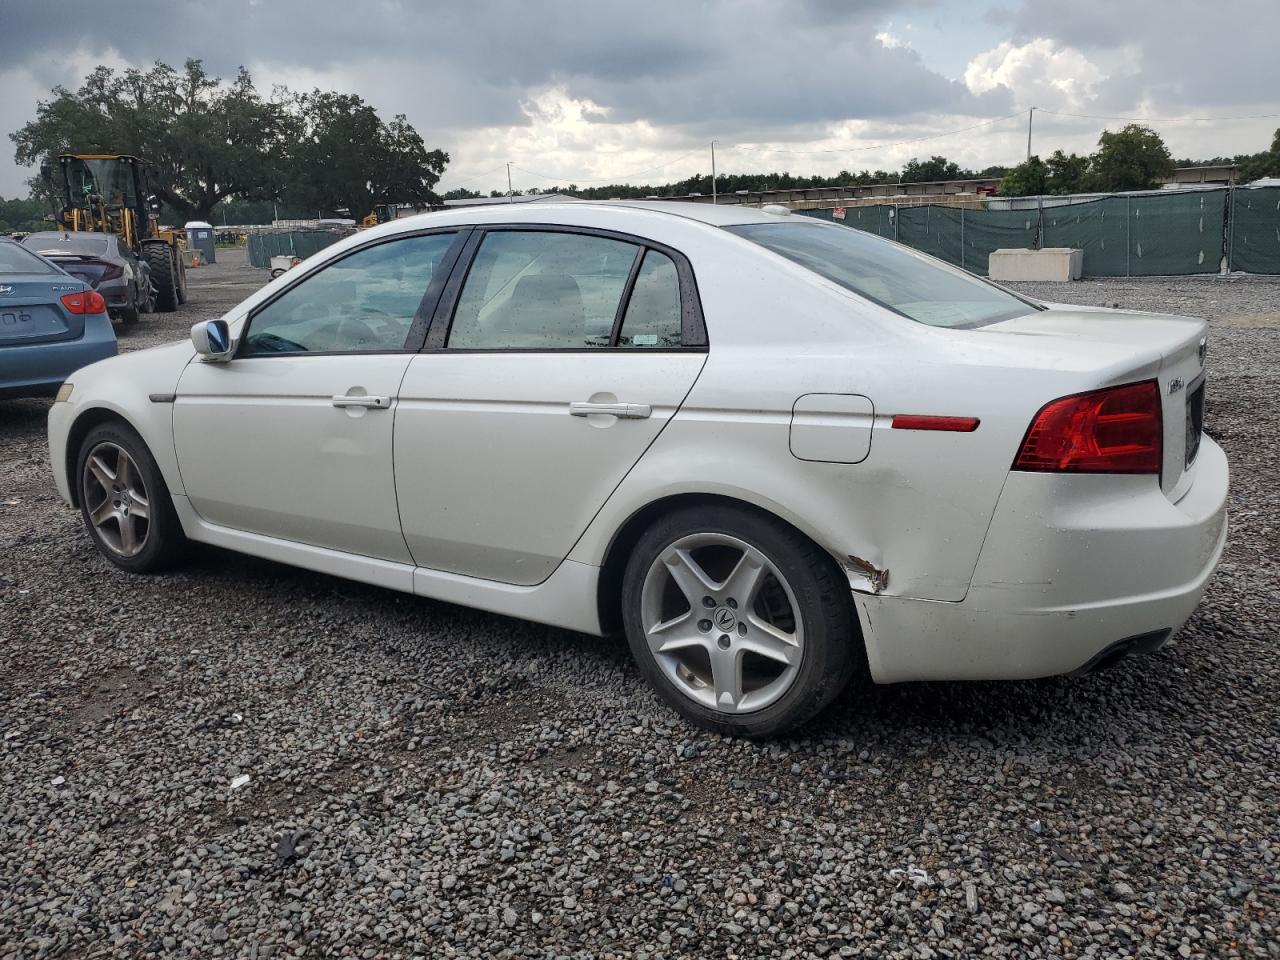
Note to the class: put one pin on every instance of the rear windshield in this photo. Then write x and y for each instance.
(920, 288)
(52, 244)
(13, 259)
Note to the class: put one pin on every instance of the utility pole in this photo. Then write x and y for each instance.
(511, 198)
(714, 198)
(1030, 115)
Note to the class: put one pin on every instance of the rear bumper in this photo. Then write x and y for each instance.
(38, 370)
(1071, 566)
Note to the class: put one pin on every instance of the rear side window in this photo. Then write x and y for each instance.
(653, 312)
(13, 259)
(362, 303)
(542, 290)
(909, 283)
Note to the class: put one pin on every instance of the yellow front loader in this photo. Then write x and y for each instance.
(109, 193)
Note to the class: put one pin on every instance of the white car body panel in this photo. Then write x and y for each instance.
(246, 431)
(496, 478)
(500, 500)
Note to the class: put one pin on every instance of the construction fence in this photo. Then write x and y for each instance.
(265, 244)
(1133, 235)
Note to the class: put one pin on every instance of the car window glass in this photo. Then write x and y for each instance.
(13, 259)
(364, 302)
(909, 283)
(653, 313)
(76, 243)
(529, 290)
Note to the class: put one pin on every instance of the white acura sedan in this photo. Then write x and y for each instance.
(774, 451)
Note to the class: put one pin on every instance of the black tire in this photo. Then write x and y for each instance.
(832, 648)
(182, 278)
(163, 542)
(128, 314)
(147, 297)
(164, 279)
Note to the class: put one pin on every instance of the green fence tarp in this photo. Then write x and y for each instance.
(288, 243)
(1255, 230)
(1155, 235)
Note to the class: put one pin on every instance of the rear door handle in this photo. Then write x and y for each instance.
(627, 411)
(376, 403)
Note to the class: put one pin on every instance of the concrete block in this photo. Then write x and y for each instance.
(1051, 263)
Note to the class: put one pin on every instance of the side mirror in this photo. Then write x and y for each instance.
(212, 340)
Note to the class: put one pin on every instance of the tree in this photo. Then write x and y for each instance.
(1028, 179)
(1265, 164)
(347, 158)
(932, 170)
(205, 139)
(1066, 172)
(22, 215)
(462, 193)
(1132, 158)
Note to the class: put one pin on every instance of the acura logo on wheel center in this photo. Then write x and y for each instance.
(725, 618)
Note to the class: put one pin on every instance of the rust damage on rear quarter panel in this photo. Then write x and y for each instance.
(877, 579)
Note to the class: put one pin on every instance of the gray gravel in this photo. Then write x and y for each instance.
(245, 760)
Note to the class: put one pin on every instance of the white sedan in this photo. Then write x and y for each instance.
(774, 451)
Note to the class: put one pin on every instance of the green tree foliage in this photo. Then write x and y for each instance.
(932, 170)
(1132, 158)
(347, 158)
(1067, 172)
(1028, 179)
(1265, 164)
(206, 139)
(25, 216)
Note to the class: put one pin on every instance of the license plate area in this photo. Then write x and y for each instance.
(1195, 420)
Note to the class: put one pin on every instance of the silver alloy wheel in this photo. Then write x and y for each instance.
(722, 623)
(115, 498)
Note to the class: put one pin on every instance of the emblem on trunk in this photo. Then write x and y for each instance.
(1175, 385)
(5, 289)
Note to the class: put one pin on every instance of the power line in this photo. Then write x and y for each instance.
(1089, 116)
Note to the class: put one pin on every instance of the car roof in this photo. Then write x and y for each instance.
(571, 210)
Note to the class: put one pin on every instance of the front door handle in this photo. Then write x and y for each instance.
(347, 400)
(627, 411)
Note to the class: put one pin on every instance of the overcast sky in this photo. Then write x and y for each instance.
(594, 92)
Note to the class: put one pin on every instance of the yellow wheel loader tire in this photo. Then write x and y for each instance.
(164, 278)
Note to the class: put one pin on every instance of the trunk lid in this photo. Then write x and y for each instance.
(31, 312)
(89, 269)
(1124, 343)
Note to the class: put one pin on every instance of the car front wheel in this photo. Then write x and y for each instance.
(739, 622)
(125, 502)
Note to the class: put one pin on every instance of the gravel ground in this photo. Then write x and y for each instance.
(245, 760)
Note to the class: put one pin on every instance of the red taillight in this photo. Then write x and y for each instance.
(1116, 430)
(90, 301)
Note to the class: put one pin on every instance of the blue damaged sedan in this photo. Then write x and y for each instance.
(51, 324)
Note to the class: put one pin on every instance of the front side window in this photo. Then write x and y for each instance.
(542, 290)
(363, 303)
(909, 283)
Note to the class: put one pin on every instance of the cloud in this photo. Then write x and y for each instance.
(593, 90)
(1038, 73)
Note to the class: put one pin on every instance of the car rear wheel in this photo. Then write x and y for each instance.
(128, 314)
(125, 502)
(740, 623)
